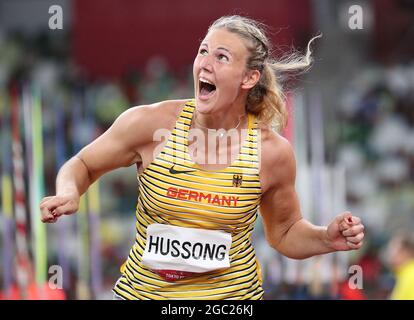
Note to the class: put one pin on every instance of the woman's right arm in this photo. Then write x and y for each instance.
(118, 147)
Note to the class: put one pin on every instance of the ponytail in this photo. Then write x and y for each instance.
(267, 100)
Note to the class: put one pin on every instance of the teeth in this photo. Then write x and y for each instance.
(206, 81)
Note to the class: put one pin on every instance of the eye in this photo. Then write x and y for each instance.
(223, 57)
(203, 52)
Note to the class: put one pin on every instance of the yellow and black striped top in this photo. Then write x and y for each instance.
(220, 211)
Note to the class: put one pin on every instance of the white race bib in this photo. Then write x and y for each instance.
(186, 249)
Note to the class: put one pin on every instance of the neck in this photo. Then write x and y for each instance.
(226, 118)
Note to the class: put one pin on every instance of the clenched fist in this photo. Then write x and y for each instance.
(346, 232)
(55, 206)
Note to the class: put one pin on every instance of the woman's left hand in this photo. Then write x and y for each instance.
(345, 232)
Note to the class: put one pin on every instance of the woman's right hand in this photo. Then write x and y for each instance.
(53, 207)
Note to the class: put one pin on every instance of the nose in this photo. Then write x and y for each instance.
(206, 63)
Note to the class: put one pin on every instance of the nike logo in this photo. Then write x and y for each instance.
(173, 171)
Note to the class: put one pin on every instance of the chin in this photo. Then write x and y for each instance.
(205, 107)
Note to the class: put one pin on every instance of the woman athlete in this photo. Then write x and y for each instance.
(199, 191)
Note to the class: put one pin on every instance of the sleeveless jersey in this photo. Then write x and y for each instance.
(175, 191)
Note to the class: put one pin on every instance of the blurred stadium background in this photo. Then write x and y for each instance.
(352, 126)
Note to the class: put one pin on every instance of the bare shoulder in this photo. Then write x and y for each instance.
(153, 115)
(140, 122)
(276, 149)
(278, 164)
(123, 143)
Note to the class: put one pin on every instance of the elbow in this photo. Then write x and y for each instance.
(296, 256)
(291, 254)
(288, 250)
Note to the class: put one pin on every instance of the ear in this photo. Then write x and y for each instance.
(250, 79)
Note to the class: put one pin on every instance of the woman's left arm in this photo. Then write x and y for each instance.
(285, 228)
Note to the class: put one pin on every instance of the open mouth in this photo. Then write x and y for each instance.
(206, 88)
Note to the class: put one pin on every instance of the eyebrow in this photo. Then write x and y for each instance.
(219, 48)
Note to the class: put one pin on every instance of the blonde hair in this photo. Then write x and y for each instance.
(266, 99)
